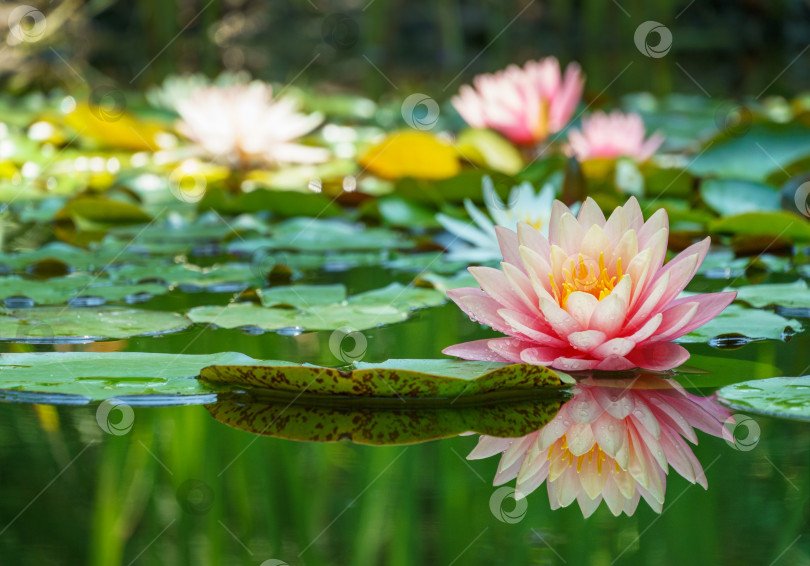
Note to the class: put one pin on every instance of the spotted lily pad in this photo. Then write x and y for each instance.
(80, 377)
(60, 290)
(46, 325)
(394, 424)
(741, 324)
(443, 379)
(787, 397)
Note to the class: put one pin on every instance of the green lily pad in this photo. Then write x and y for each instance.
(60, 290)
(227, 277)
(735, 196)
(763, 150)
(315, 317)
(777, 224)
(745, 324)
(399, 296)
(366, 310)
(93, 376)
(77, 258)
(445, 380)
(302, 296)
(309, 234)
(376, 426)
(790, 295)
(444, 283)
(48, 325)
(785, 397)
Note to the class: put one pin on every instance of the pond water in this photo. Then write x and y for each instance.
(175, 486)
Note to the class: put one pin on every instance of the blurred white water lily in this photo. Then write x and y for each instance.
(479, 241)
(243, 126)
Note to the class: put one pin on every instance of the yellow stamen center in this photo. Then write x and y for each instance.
(588, 276)
(595, 452)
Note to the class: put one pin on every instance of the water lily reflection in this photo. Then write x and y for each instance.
(614, 441)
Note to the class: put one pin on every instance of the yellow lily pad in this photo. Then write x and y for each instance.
(412, 154)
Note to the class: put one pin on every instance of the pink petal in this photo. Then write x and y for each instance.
(659, 356)
(475, 350)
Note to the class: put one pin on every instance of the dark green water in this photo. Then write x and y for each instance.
(182, 488)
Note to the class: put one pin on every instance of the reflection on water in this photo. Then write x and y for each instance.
(395, 422)
(614, 442)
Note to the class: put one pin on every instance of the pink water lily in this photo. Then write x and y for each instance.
(595, 295)
(613, 442)
(608, 136)
(524, 104)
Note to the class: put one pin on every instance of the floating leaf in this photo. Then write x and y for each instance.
(777, 224)
(315, 317)
(735, 196)
(763, 150)
(48, 325)
(282, 203)
(86, 376)
(120, 129)
(410, 153)
(790, 295)
(309, 234)
(487, 149)
(445, 379)
(744, 323)
(302, 296)
(60, 290)
(399, 296)
(378, 426)
(445, 283)
(223, 278)
(77, 258)
(786, 397)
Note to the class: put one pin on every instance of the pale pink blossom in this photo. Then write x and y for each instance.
(524, 104)
(608, 136)
(594, 295)
(613, 442)
(241, 125)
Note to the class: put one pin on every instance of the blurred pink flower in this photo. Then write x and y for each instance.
(608, 136)
(594, 295)
(243, 126)
(524, 104)
(614, 441)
